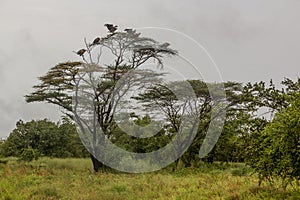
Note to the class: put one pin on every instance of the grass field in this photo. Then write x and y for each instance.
(73, 179)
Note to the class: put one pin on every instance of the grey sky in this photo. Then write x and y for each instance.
(249, 40)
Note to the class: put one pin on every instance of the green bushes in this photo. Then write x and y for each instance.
(29, 140)
(275, 153)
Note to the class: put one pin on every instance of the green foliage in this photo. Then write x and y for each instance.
(29, 154)
(243, 124)
(56, 86)
(162, 97)
(43, 138)
(140, 145)
(258, 95)
(275, 152)
(2, 148)
(236, 136)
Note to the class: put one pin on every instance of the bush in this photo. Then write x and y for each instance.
(275, 152)
(45, 137)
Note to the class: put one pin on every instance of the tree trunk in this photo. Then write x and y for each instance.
(96, 163)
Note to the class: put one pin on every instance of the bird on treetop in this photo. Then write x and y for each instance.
(81, 52)
(112, 28)
(96, 41)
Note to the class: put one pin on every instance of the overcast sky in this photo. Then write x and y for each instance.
(249, 40)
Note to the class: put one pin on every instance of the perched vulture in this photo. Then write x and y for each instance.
(81, 52)
(96, 41)
(111, 27)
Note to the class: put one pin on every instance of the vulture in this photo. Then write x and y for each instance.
(111, 27)
(81, 52)
(96, 41)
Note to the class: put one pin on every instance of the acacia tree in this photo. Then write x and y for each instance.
(127, 50)
(164, 98)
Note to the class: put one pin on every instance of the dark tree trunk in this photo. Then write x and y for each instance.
(96, 163)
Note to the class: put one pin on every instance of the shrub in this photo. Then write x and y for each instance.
(275, 152)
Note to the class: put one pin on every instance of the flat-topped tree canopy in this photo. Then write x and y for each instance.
(128, 49)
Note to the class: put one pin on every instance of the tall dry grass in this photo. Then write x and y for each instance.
(74, 179)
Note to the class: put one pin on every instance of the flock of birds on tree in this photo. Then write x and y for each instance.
(112, 30)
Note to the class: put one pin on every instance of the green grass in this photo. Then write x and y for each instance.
(74, 179)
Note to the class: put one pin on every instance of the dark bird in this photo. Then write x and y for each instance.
(96, 41)
(81, 52)
(111, 27)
